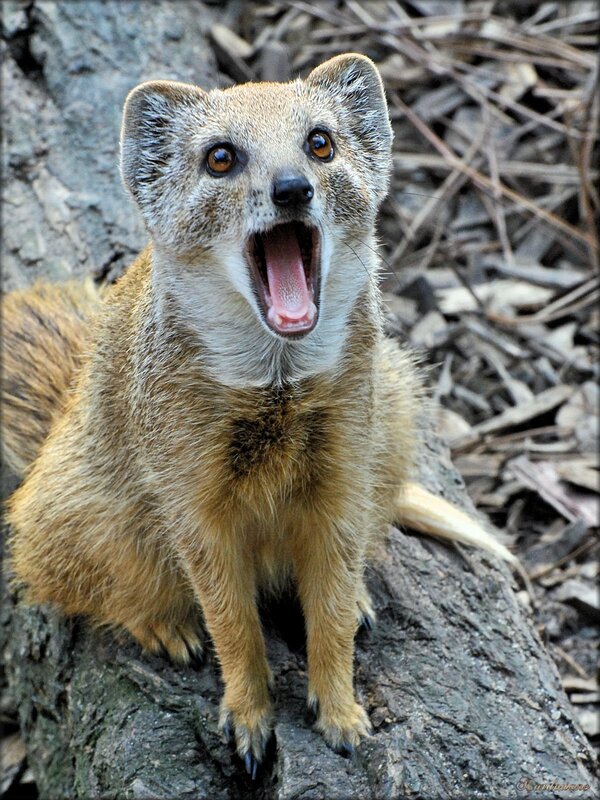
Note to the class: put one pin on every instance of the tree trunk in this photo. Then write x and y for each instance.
(464, 700)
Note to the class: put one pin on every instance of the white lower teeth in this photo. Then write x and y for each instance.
(277, 320)
(274, 317)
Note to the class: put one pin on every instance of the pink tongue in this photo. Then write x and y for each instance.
(285, 273)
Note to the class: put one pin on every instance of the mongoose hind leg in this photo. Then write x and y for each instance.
(156, 604)
(181, 642)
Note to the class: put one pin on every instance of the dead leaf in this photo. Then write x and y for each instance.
(496, 294)
(543, 478)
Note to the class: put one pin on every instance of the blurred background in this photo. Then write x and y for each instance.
(489, 236)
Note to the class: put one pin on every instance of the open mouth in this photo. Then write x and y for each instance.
(284, 265)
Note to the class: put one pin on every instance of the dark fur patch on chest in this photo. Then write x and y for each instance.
(277, 433)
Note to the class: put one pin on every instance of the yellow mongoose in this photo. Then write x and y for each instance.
(229, 415)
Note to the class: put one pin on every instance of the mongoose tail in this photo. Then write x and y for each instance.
(425, 512)
(44, 331)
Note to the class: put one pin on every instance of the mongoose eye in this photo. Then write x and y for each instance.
(220, 159)
(320, 145)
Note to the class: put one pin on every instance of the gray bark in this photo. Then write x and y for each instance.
(464, 699)
(67, 70)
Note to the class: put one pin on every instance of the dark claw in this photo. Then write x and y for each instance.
(228, 730)
(367, 622)
(346, 749)
(251, 764)
(196, 655)
(162, 652)
(263, 745)
(313, 706)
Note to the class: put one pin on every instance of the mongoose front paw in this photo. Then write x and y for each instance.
(181, 643)
(251, 731)
(343, 729)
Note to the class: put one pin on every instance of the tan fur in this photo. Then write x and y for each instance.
(44, 330)
(160, 488)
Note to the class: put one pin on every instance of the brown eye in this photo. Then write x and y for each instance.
(320, 145)
(220, 159)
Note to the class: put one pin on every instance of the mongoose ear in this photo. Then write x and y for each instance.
(152, 117)
(354, 81)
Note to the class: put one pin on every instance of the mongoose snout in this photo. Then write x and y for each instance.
(292, 190)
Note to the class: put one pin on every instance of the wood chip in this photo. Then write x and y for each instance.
(231, 50)
(525, 412)
(580, 594)
(477, 464)
(543, 478)
(588, 697)
(517, 294)
(451, 425)
(230, 41)
(590, 722)
(429, 330)
(499, 340)
(275, 62)
(548, 552)
(535, 273)
(579, 472)
(572, 683)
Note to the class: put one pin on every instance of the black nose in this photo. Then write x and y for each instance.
(292, 190)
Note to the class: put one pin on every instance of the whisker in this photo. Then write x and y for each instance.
(369, 276)
(385, 261)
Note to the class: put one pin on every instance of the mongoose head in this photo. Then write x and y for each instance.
(260, 197)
